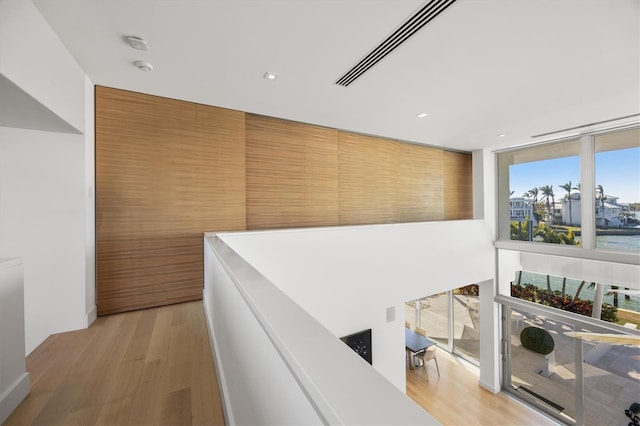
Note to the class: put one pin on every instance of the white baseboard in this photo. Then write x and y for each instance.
(490, 388)
(13, 396)
(92, 315)
(222, 384)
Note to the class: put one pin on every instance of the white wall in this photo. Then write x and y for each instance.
(484, 202)
(34, 59)
(295, 370)
(14, 380)
(244, 353)
(346, 277)
(90, 205)
(46, 178)
(42, 220)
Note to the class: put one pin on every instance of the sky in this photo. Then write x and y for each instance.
(617, 171)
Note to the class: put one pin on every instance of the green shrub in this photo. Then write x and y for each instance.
(554, 299)
(537, 340)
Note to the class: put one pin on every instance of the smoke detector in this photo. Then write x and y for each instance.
(137, 43)
(143, 66)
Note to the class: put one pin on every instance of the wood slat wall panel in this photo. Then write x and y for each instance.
(368, 167)
(458, 186)
(292, 174)
(419, 185)
(166, 171)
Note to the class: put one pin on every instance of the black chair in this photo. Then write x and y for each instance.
(632, 412)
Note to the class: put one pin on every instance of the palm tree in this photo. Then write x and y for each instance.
(576, 296)
(615, 295)
(567, 187)
(533, 193)
(547, 190)
(578, 290)
(600, 195)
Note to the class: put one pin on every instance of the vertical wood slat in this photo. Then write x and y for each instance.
(166, 171)
(292, 174)
(458, 188)
(367, 169)
(419, 186)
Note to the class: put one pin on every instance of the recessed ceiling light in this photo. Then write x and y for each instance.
(422, 115)
(501, 135)
(143, 66)
(269, 76)
(137, 43)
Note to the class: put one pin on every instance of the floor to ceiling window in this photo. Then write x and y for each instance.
(451, 318)
(580, 373)
(571, 264)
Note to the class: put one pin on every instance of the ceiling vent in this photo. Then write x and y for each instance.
(421, 18)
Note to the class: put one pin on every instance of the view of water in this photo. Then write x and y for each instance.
(617, 242)
(539, 280)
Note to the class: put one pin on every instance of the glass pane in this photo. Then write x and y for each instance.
(466, 322)
(434, 317)
(619, 305)
(544, 189)
(611, 380)
(610, 368)
(543, 373)
(617, 193)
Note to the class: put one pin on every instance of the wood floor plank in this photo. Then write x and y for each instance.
(140, 368)
(155, 367)
(456, 398)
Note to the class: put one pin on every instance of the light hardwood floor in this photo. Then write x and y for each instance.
(456, 398)
(155, 367)
(145, 367)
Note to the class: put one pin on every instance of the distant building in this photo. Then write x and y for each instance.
(521, 208)
(607, 211)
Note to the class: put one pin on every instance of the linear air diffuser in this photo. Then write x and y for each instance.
(425, 15)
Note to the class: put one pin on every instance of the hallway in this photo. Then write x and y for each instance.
(145, 367)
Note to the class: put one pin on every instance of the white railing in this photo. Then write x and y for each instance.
(278, 365)
(612, 219)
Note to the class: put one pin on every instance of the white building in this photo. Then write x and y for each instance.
(521, 208)
(607, 211)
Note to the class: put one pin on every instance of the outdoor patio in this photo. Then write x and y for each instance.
(611, 373)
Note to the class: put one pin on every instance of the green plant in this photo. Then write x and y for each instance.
(537, 340)
(555, 299)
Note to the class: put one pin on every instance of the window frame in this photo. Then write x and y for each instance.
(587, 249)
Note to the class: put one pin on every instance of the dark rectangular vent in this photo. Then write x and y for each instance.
(425, 15)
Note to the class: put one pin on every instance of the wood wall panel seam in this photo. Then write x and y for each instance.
(168, 170)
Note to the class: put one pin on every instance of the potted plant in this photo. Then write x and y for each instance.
(539, 340)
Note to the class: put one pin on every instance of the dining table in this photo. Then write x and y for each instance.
(415, 343)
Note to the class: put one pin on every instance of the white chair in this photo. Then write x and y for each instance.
(421, 331)
(427, 355)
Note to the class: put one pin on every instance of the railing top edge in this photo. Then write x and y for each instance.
(325, 368)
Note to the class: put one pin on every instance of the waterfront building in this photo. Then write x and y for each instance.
(607, 211)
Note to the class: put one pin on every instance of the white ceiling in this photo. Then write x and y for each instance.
(482, 68)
